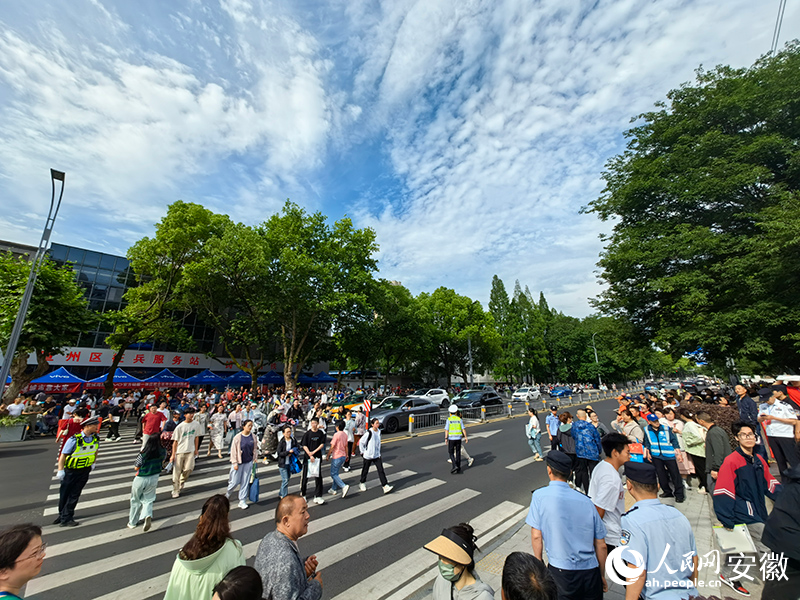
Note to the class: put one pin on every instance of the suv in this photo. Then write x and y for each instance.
(435, 395)
(526, 394)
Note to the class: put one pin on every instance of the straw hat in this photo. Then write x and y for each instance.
(451, 547)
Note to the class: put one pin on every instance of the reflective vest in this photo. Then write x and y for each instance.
(85, 452)
(660, 446)
(454, 425)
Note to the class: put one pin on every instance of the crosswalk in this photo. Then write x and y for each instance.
(104, 560)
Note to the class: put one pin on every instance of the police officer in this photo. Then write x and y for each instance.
(453, 434)
(662, 536)
(75, 462)
(566, 524)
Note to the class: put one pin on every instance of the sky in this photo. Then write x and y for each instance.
(467, 134)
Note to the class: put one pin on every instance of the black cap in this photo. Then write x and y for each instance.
(641, 472)
(778, 387)
(765, 391)
(553, 407)
(559, 461)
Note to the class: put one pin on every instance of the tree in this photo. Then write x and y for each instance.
(58, 312)
(703, 253)
(318, 276)
(507, 363)
(158, 264)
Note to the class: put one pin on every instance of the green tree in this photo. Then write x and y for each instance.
(158, 263)
(703, 252)
(318, 276)
(58, 312)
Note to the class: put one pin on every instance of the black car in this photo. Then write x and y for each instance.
(478, 398)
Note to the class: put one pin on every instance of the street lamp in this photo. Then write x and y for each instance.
(597, 362)
(36, 264)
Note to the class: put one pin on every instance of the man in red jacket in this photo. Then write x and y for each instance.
(743, 481)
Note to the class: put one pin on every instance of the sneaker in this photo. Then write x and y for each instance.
(345, 489)
(734, 585)
(318, 500)
(332, 492)
(362, 487)
(242, 505)
(450, 461)
(701, 491)
(175, 494)
(57, 521)
(387, 489)
(346, 469)
(471, 460)
(148, 522)
(70, 524)
(131, 526)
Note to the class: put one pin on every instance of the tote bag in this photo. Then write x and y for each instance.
(254, 486)
(313, 468)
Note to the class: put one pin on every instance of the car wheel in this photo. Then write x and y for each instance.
(445, 404)
(391, 425)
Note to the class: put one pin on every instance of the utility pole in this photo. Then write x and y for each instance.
(469, 351)
(597, 362)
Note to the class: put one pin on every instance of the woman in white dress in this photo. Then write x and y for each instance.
(218, 427)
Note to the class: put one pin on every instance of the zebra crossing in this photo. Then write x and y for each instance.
(104, 560)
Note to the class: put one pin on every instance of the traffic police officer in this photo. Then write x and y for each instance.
(661, 536)
(74, 465)
(453, 434)
(566, 524)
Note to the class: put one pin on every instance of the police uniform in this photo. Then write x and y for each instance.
(455, 432)
(663, 538)
(81, 452)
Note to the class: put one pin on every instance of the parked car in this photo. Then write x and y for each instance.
(559, 392)
(393, 413)
(526, 394)
(651, 386)
(435, 395)
(478, 398)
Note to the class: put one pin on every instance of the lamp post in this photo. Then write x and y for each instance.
(36, 264)
(597, 362)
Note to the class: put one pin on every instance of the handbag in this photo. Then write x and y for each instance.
(313, 468)
(254, 486)
(637, 452)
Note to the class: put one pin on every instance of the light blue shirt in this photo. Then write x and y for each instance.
(552, 424)
(648, 527)
(569, 523)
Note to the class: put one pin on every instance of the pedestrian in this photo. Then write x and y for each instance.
(661, 536)
(587, 449)
(565, 441)
(566, 524)
(717, 448)
(208, 556)
(349, 429)
(360, 430)
(552, 422)
(287, 447)
(284, 574)
(533, 433)
(22, 554)
(76, 462)
(68, 427)
(694, 438)
(594, 419)
(244, 454)
(743, 482)
(152, 423)
(370, 447)
(662, 448)
(779, 419)
(525, 577)
(241, 583)
(202, 417)
(685, 465)
(337, 454)
(780, 536)
(185, 449)
(606, 488)
(454, 433)
(148, 465)
(218, 426)
(457, 579)
(313, 444)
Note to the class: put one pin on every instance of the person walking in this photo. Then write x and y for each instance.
(694, 438)
(370, 447)
(360, 430)
(718, 446)
(337, 454)
(152, 423)
(457, 579)
(533, 433)
(202, 419)
(587, 449)
(75, 463)
(114, 417)
(148, 465)
(184, 450)
(287, 447)
(218, 427)
(349, 429)
(244, 454)
(313, 444)
(208, 555)
(454, 433)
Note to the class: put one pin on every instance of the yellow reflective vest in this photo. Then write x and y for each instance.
(454, 427)
(85, 452)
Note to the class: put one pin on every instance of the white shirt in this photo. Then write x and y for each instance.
(15, 410)
(782, 410)
(185, 434)
(533, 426)
(68, 409)
(164, 411)
(607, 492)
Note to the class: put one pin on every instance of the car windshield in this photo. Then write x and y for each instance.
(421, 392)
(472, 396)
(392, 403)
(522, 390)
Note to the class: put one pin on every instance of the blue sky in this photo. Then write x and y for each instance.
(468, 134)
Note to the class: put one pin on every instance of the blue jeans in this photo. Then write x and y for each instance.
(284, 481)
(336, 464)
(535, 444)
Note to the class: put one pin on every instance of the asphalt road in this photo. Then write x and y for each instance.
(368, 544)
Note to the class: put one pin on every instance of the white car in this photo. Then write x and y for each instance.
(435, 395)
(526, 394)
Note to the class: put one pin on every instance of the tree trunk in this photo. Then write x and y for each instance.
(19, 379)
(108, 386)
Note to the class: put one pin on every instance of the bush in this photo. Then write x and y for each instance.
(10, 421)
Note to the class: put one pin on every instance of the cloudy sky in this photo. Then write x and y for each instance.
(467, 133)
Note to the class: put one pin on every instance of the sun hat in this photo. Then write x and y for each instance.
(452, 547)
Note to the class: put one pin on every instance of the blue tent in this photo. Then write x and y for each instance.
(271, 377)
(306, 379)
(121, 379)
(240, 378)
(206, 378)
(323, 377)
(166, 376)
(60, 375)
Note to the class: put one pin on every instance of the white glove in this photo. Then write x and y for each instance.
(93, 466)
(60, 474)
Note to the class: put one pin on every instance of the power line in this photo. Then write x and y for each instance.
(777, 33)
